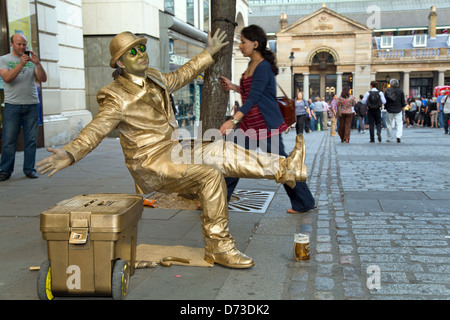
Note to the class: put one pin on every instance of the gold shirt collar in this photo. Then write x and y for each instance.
(140, 81)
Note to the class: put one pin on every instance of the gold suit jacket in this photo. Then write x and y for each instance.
(141, 110)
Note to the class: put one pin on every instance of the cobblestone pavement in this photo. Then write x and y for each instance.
(382, 224)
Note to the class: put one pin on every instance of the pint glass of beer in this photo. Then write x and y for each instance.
(301, 246)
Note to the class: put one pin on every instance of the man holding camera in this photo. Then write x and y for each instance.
(19, 70)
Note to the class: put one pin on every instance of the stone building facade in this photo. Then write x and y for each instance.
(330, 51)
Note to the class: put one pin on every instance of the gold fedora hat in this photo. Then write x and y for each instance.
(121, 43)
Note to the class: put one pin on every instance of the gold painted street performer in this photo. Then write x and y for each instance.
(137, 103)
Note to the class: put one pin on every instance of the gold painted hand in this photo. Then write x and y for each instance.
(59, 160)
(216, 42)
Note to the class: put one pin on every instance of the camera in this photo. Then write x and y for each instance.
(28, 53)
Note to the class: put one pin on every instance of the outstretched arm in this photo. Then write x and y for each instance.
(174, 80)
(59, 160)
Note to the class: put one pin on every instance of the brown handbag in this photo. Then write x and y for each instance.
(287, 108)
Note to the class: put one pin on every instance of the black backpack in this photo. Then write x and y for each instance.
(374, 100)
(391, 94)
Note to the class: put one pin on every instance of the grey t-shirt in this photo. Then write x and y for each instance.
(23, 89)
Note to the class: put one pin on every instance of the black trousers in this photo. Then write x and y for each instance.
(374, 116)
(300, 125)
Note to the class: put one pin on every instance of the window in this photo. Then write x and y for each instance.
(190, 11)
(206, 15)
(314, 86)
(421, 87)
(169, 6)
(420, 40)
(386, 42)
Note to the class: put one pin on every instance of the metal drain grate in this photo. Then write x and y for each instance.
(254, 201)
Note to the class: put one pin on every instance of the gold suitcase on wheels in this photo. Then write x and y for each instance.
(91, 246)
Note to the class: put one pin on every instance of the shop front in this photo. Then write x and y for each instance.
(187, 99)
(179, 42)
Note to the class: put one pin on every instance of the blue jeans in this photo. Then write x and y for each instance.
(360, 123)
(319, 121)
(312, 124)
(301, 197)
(14, 117)
(441, 118)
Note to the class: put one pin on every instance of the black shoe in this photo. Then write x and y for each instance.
(4, 176)
(398, 140)
(372, 141)
(379, 136)
(32, 175)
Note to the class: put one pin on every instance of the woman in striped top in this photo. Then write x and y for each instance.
(261, 121)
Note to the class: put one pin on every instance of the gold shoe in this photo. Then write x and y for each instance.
(230, 259)
(296, 160)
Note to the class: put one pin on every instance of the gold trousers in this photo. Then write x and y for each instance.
(209, 163)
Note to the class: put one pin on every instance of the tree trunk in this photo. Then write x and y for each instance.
(214, 98)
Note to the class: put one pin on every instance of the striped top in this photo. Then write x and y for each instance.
(254, 118)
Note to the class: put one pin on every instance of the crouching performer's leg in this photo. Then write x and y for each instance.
(235, 161)
(207, 181)
(209, 184)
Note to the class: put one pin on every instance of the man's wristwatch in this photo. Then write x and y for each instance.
(235, 121)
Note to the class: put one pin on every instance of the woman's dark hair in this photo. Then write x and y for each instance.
(256, 33)
(345, 92)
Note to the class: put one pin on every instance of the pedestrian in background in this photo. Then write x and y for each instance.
(440, 111)
(345, 105)
(420, 114)
(411, 116)
(395, 103)
(19, 70)
(446, 111)
(319, 109)
(374, 99)
(361, 111)
(312, 115)
(301, 110)
(432, 109)
(326, 107)
(333, 115)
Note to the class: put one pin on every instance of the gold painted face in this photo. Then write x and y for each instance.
(135, 61)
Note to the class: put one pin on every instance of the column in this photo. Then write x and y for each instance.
(306, 86)
(353, 83)
(339, 83)
(406, 83)
(441, 78)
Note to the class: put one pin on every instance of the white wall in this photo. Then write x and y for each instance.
(61, 52)
(106, 17)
